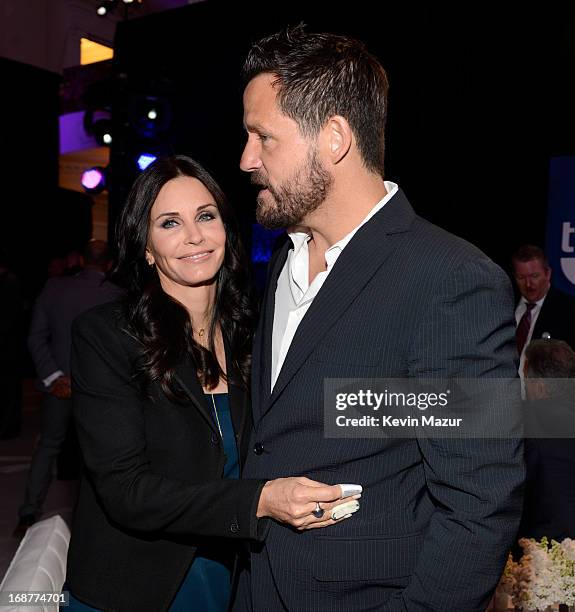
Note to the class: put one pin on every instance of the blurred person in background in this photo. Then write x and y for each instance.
(49, 341)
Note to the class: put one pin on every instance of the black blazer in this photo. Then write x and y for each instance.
(405, 299)
(153, 488)
(557, 318)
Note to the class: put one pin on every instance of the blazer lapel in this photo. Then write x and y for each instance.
(238, 398)
(359, 261)
(186, 375)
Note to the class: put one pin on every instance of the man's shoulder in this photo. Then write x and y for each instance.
(437, 246)
(559, 299)
(431, 242)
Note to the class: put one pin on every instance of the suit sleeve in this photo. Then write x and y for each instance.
(39, 339)
(476, 484)
(108, 412)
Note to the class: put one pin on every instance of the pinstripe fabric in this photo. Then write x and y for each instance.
(405, 299)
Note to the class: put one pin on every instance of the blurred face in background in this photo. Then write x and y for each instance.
(533, 279)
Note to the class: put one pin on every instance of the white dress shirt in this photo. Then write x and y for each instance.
(294, 294)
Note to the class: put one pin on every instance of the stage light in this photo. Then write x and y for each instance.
(94, 179)
(105, 7)
(150, 115)
(145, 159)
(102, 130)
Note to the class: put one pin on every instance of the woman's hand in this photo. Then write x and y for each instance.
(293, 500)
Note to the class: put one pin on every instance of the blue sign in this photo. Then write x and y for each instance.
(561, 223)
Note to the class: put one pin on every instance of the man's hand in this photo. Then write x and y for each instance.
(61, 388)
(292, 501)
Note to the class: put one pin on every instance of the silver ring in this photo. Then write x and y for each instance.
(319, 511)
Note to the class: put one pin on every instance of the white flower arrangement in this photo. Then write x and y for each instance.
(542, 579)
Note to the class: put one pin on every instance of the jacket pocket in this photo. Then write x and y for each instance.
(366, 558)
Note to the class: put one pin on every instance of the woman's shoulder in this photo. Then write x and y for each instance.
(104, 317)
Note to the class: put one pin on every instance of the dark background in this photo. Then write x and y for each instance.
(480, 100)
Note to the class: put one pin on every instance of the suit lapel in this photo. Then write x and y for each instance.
(262, 363)
(356, 265)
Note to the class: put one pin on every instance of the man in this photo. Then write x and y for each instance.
(61, 301)
(549, 506)
(365, 288)
(542, 312)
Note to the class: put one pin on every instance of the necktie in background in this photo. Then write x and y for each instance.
(522, 330)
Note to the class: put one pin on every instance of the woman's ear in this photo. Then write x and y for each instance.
(149, 258)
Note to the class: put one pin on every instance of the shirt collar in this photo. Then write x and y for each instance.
(299, 238)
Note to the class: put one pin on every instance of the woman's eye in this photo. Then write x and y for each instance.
(206, 216)
(169, 223)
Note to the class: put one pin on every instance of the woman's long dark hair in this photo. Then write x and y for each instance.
(161, 323)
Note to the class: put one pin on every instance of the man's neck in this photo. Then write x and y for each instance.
(343, 211)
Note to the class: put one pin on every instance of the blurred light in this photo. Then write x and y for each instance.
(102, 130)
(263, 243)
(145, 160)
(128, 1)
(94, 179)
(101, 10)
(150, 116)
(91, 51)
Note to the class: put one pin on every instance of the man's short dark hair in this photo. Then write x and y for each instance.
(322, 75)
(529, 252)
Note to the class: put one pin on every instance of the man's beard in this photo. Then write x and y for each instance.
(297, 197)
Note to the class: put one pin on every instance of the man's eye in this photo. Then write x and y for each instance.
(169, 223)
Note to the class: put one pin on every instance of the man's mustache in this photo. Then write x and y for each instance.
(257, 178)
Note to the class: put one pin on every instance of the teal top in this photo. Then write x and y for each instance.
(207, 585)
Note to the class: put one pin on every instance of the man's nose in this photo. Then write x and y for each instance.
(250, 159)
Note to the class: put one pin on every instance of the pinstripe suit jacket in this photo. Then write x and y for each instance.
(404, 299)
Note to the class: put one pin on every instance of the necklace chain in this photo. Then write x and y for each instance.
(216, 414)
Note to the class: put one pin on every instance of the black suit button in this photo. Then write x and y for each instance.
(258, 448)
(234, 527)
(214, 439)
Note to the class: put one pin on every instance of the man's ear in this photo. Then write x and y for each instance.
(339, 138)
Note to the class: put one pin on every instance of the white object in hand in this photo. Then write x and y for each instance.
(342, 510)
(347, 490)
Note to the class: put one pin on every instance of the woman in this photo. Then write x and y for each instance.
(161, 406)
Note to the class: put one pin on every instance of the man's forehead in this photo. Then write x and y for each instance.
(531, 264)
